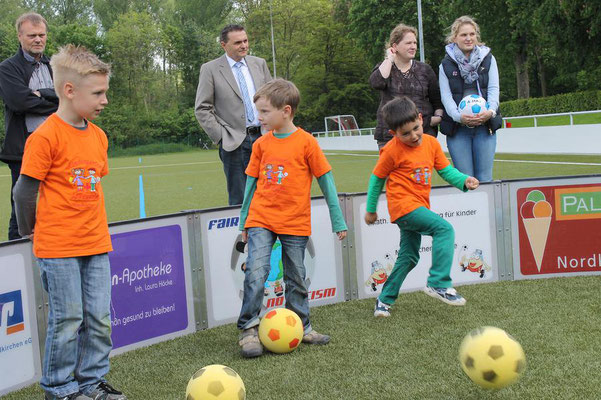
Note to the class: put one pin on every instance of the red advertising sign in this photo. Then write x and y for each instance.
(558, 228)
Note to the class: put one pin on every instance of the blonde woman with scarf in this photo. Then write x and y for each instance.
(469, 68)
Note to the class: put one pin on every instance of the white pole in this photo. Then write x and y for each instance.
(272, 41)
(422, 56)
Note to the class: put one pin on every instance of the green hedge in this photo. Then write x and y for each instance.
(577, 101)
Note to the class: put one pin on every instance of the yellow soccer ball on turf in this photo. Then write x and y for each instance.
(215, 382)
(281, 330)
(491, 357)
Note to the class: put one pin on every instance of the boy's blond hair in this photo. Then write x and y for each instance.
(72, 63)
(280, 93)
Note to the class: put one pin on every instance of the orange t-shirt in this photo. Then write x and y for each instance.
(409, 172)
(284, 169)
(71, 219)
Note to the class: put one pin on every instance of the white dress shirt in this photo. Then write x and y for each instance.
(249, 84)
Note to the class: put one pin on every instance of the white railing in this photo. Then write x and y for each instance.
(370, 131)
(571, 114)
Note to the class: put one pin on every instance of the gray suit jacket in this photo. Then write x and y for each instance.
(219, 107)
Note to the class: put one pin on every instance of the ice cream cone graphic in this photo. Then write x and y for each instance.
(536, 216)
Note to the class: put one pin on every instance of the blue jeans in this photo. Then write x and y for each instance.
(78, 339)
(260, 244)
(473, 151)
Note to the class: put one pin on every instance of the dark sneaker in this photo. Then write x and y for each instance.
(250, 345)
(104, 391)
(72, 396)
(314, 337)
(447, 295)
(381, 310)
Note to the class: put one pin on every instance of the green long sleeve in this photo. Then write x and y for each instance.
(454, 177)
(376, 184)
(328, 188)
(249, 191)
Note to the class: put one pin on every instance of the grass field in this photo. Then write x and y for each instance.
(412, 355)
(195, 180)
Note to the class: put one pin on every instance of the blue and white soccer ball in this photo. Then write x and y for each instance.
(472, 105)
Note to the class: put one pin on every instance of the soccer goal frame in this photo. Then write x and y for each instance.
(345, 124)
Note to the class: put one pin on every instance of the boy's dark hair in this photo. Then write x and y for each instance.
(399, 111)
(280, 93)
(223, 36)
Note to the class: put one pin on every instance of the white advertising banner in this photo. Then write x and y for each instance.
(224, 263)
(472, 217)
(19, 350)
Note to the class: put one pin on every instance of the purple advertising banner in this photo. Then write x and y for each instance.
(148, 285)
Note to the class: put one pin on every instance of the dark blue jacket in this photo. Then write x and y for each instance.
(19, 100)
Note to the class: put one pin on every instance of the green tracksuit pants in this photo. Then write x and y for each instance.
(413, 225)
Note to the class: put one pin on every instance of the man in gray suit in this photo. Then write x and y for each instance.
(224, 106)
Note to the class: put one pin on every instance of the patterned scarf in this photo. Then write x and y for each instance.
(468, 68)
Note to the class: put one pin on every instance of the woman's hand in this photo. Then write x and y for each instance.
(470, 121)
(390, 54)
(484, 116)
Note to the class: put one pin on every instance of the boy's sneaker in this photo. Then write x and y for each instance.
(382, 310)
(448, 295)
(72, 396)
(104, 391)
(250, 344)
(314, 337)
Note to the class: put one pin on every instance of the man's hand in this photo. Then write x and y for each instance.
(341, 235)
(471, 183)
(37, 93)
(370, 218)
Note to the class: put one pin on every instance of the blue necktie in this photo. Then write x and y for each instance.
(248, 105)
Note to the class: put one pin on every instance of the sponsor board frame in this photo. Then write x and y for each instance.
(30, 288)
(513, 187)
(487, 198)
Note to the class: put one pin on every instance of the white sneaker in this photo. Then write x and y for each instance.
(381, 310)
(447, 295)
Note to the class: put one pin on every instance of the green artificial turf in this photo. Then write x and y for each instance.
(411, 355)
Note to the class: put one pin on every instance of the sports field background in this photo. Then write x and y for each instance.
(195, 179)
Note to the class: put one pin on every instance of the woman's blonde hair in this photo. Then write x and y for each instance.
(399, 32)
(459, 22)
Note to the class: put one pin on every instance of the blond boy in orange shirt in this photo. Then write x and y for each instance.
(405, 165)
(70, 231)
(277, 204)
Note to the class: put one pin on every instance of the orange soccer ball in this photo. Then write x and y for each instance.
(281, 330)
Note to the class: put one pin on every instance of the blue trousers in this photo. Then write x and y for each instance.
(234, 167)
(258, 264)
(78, 339)
(473, 151)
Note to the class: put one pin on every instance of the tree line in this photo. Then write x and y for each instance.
(326, 47)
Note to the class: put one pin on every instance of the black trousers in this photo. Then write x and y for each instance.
(234, 165)
(13, 229)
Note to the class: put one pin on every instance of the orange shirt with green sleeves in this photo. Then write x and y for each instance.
(284, 168)
(409, 172)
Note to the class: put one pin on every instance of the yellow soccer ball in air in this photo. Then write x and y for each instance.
(281, 330)
(491, 357)
(215, 382)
